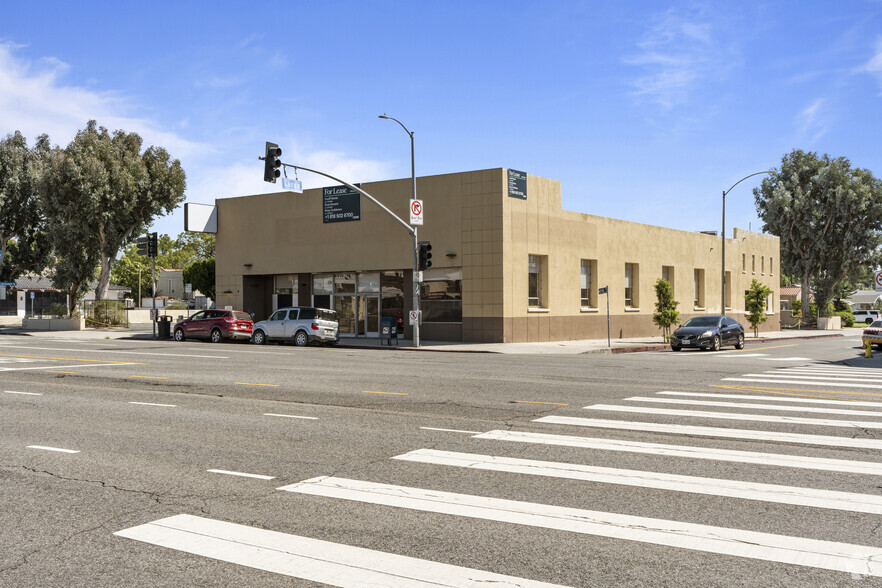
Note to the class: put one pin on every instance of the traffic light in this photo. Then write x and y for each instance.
(425, 255)
(143, 245)
(152, 245)
(272, 163)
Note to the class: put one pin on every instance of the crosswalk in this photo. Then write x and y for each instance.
(837, 420)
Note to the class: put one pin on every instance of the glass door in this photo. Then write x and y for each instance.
(368, 321)
(345, 307)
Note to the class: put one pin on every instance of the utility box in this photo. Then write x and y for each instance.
(388, 330)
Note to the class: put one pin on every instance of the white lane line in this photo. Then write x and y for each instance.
(756, 406)
(794, 495)
(58, 367)
(732, 416)
(831, 369)
(241, 474)
(838, 384)
(116, 351)
(801, 376)
(329, 563)
(23, 393)
(745, 434)
(450, 430)
(772, 398)
(52, 449)
(844, 557)
(690, 452)
(153, 404)
(786, 358)
(291, 416)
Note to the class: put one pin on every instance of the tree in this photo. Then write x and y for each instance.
(201, 275)
(755, 304)
(196, 245)
(117, 190)
(21, 224)
(828, 217)
(666, 313)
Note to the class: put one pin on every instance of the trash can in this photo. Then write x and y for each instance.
(163, 327)
(388, 330)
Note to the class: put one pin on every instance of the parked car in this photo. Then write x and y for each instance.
(214, 325)
(873, 334)
(865, 316)
(299, 325)
(708, 332)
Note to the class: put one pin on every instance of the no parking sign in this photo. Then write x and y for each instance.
(878, 281)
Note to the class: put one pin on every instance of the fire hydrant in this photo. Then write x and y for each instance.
(868, 349)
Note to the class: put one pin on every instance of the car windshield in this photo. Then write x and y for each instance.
(877, 323)
(702, 321)
(241, 316)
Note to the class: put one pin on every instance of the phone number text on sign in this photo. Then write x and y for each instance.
(340, 204)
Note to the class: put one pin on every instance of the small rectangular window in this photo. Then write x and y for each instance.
(771, 271)
(534, 280)
(762, 264)
(698, 288)
(753, 263)
(632, 299)
(587, 281)
(668, 274)
(744, 262)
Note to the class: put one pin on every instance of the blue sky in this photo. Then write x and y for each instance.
(644, 111)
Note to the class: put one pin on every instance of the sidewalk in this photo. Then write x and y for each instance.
(144, 331)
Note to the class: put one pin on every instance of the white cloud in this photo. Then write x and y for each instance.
(874, 66)
(814, 121)
(677, 53)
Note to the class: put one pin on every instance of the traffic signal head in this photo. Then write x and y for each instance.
(425, 256)
(143, 245)
(152, 245)
(272, 163)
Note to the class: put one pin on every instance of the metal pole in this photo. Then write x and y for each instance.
(723, 278)
(608, 341)
(153, 276)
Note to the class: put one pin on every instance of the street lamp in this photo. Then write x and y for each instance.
(723, 279)
(416, 269)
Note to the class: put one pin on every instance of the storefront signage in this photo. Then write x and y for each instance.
(517, 184)
(341, 204)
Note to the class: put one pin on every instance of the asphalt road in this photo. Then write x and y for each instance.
(168, 464)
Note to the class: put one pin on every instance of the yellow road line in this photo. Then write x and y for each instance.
(392, 393)
(759, 348)
(782, 390)
(151, 377)
(71, 359)
(253, 384)
(58, 372)
(536, 402)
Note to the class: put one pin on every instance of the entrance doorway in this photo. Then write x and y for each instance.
(369, 316)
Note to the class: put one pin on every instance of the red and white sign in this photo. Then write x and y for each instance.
(414, 317)
(416, 212)
(879, 281)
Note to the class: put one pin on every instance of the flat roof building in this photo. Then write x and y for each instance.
(509, 264)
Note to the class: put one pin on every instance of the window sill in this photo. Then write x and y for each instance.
(701, 308)
(588, 309)
(537, 309)
(631, 309)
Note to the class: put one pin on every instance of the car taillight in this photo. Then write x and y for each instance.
(314, 326)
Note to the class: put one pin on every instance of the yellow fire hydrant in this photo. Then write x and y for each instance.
(868, 349)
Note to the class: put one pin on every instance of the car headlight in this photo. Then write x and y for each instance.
(707, 333)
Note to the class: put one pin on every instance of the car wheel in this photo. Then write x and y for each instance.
(179, 335)
(869, 321)
(676, 348)
(715, 346)
(301, 339)
(739, 343)
(258, 337)
(216, 336)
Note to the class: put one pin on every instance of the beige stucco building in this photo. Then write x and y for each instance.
(509, 264)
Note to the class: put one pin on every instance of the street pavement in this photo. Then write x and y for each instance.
(636, 344)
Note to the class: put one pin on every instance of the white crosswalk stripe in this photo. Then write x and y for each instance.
(750, 544)
(755, 406)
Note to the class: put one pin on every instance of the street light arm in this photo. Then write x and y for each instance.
(745, 177)
(410, 229)
(399, 122)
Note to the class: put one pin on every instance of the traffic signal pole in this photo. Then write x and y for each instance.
(411, 230)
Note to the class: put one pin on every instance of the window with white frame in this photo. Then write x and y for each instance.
(586, 283)
(534, 281)
(632, 299)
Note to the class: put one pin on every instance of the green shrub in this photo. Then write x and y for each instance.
(180, 305)
(847, 318)
(106, 313)
(57, 309)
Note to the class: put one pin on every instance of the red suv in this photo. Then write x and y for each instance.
(215, 325)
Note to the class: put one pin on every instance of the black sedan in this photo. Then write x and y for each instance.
(708, 332)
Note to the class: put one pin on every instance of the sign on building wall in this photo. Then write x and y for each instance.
(340, 204)
(517, 184)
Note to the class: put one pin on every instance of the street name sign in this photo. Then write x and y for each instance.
(292, 185)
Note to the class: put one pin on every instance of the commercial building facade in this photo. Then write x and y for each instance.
(509, 264)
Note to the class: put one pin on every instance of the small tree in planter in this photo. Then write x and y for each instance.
(666, 313)
(755, 303)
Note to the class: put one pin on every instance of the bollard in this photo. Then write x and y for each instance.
(868, 349)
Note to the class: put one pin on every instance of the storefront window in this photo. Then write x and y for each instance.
(344, 283)
(441, 296)
(322, 284)
(368, 282)
(285, 284)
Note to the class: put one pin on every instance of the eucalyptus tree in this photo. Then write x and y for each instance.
(115, 189)
(21, 220)
(828, 216)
